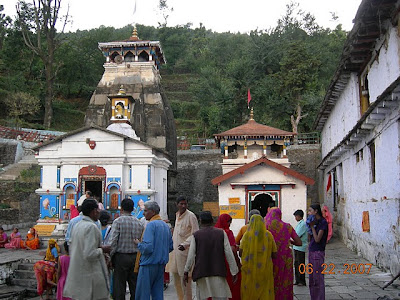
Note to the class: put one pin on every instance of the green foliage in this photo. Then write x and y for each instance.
(206, 78)
(4, 206)
(30, 175)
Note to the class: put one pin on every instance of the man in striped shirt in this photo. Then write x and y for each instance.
(125, 230)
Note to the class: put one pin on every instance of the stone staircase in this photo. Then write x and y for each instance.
(11, 172)
(22, 283)
(18, 277)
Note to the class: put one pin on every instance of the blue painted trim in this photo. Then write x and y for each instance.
(41, 177)
(149, 177)
(268, 187)
(58, 176)
(74, 180)
(130, 176)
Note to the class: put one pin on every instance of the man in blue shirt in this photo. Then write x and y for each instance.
(154, 250)
(300, 251)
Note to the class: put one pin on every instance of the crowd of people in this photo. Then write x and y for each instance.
(15, 241)
(101, 259)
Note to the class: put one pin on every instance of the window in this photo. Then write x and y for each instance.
(372, 153)
(364, 94)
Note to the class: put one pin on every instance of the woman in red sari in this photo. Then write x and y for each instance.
(224, 222)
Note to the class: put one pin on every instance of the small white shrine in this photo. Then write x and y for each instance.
(112, 163)
(257, 174)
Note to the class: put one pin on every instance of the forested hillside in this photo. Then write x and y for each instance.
(287, 69)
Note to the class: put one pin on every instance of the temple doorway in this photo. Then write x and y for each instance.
(262, 202)
(96, 187)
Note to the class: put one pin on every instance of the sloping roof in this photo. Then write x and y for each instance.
(252, 128)
(369, 25)
(82, 129)
(266, 161)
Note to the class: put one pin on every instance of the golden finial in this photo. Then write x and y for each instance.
(121, 90)
(251, 114)
(134, 36)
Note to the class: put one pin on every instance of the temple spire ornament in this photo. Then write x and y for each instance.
(251, 114)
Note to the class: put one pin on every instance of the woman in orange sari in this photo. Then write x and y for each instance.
(32, 241)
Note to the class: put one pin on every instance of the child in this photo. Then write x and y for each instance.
(63, 265)
(300, 251)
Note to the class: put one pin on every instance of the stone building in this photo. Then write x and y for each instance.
(257, 174)
(360, 136)
(135, 64)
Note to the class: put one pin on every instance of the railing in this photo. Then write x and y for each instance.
(307, 138)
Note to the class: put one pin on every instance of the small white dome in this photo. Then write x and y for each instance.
(123, 128)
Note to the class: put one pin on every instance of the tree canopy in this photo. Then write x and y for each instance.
(287, 69)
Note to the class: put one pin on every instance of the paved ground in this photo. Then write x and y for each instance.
(338, 285)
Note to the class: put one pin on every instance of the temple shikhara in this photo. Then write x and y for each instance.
(257, 174)
(128, 145)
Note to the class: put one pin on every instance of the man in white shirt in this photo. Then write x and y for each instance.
(185, 225)
(87, 195)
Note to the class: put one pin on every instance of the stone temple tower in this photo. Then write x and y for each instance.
(134, 64)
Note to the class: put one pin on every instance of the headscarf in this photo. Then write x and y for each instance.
(280, 230)
(257, 247)
(49, 256)
(328, 217)
(222, 223)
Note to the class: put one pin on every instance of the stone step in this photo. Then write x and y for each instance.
(9, 292)
(28, 283)
(24, 274)
(26, 266)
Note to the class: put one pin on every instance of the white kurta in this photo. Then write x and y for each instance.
(213, 286)
(87, 277)
(185, 225)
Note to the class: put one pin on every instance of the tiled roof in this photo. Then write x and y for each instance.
(266, 161)
(27, 135)
(252, 128)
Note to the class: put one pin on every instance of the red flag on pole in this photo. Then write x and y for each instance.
(328, 186)
(248, 98)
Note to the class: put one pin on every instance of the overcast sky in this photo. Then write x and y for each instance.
(218, 15)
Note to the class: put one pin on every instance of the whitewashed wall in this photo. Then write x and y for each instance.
(386, 68)
(112, 152)
(343, 117)
(291, 198)
(357, 193)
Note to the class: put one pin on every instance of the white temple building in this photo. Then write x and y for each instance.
(112, 163)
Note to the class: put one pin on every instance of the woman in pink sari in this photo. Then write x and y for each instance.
(284, 235)
(224, 222)
(15, 240)
(328, 217)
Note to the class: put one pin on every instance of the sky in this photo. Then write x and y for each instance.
(217, 15)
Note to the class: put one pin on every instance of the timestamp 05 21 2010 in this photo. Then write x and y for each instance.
(332, 269)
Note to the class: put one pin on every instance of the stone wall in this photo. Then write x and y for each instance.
(7, 153)
(196, 169)
(23, 202)
(305, 159)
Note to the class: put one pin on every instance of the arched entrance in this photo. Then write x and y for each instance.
(262, 202)
(92, 178)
